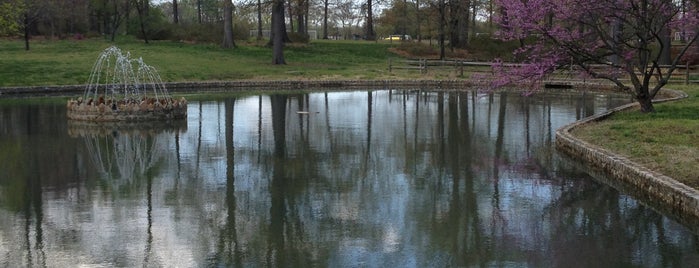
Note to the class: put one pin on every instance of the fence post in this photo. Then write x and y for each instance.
(389, 65)
(686, 73)
(461, 68)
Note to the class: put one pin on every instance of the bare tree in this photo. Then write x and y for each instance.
(259, 20)
(345, 12)
(325, 19)
(278, 32)
(228, 24)
(175, 12)
(459, 23)
(142, 7)
(369, 28)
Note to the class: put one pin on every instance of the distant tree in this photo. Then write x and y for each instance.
(228, 24)
(115, 12)
(345, 13)
(325, 19)
(628, 37)
(199, 15)
(142, 7)
(442, 31)
(175, 12)
(278, 32)
(302, 17)
(369, 32)
(11, 17)
(31, 13)
(259, 19)
(459, 23)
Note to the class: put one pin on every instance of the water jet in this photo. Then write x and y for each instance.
(124, 89)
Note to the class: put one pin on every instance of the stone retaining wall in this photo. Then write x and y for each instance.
(681, 200)
(241, 85)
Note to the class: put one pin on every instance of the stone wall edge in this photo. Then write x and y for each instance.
(680, 199)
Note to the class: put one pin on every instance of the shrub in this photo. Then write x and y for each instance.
(484, 47)
(298, 38)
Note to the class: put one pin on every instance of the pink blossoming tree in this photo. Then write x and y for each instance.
(624, 41)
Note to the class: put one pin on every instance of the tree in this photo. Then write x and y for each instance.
(442, 22)
(587, 33)
(369, 28)
(228, 24)
(142, 7)
(278, 32)
(175, 12)
(10, 17)
(346, 15)
(199, 11)
(259, 20)
(459, 23)
(32, 11)
(115, 13)
(325, 19)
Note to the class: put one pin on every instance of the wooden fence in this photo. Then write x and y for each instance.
(682, 73)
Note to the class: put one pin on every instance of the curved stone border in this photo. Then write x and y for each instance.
(682, 200)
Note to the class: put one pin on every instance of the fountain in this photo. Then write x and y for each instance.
(124, 89)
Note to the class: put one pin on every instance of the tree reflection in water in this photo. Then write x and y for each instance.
(382, 178)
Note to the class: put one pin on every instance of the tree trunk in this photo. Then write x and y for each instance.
(442, 21)
(325, 19)
(300, 10)
(291, 15)
(645, 101)
(278, 30)
(259, 20)
(199, 10)
(417, 19)
(175, 13)
(228, 41)
(115, 21)
(26, 31)
(370, 34)
(455, 21)
(141, 9)
(665, 46)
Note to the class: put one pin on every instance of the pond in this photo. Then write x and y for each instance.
(385, 178)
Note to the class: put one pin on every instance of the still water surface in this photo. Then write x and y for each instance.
(336, 179)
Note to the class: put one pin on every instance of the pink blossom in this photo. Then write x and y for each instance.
(622, 35)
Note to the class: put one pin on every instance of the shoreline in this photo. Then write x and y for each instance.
(677, 199)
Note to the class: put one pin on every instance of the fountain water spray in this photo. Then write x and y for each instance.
(124, 89)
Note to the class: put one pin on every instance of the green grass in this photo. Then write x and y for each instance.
(68, 62)
(666, 141)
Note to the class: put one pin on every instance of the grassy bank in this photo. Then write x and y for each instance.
(69, 62)
(666, 141)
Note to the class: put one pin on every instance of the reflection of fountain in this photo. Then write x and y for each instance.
(125, 150)
(117, 91)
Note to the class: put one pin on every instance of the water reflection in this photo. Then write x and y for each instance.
(378, 178)
(120, 151)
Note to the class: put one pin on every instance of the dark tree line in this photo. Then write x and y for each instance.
(221, 21)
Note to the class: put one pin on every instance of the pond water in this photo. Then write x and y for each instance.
(329, 179)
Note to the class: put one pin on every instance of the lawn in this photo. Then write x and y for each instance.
(666, 141)
(68, 62)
